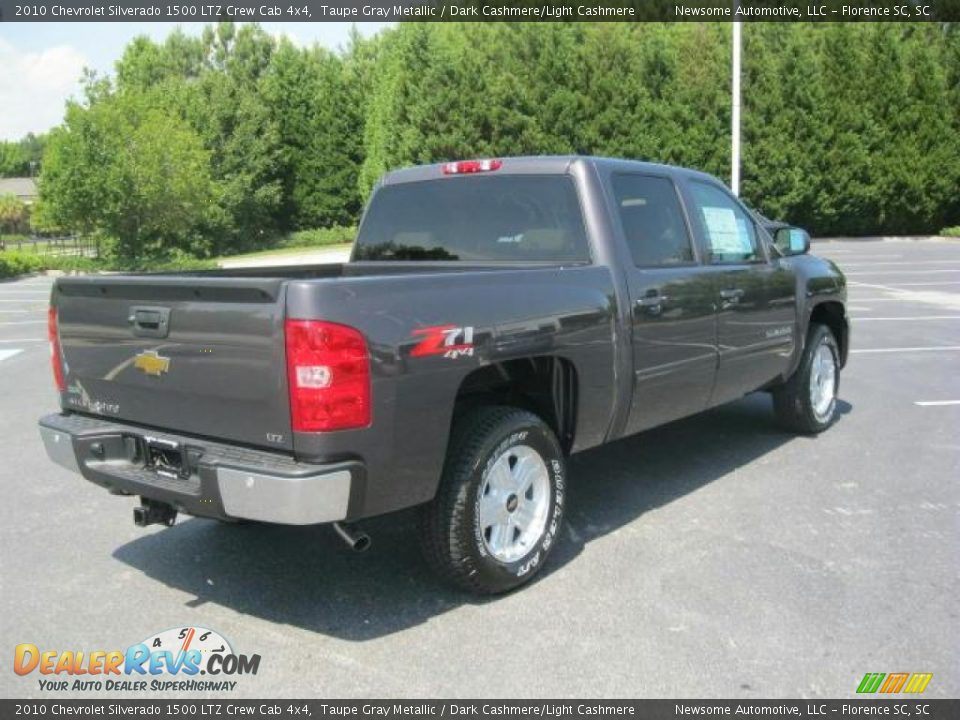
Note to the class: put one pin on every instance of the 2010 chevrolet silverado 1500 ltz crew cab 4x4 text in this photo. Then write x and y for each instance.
(495, 317)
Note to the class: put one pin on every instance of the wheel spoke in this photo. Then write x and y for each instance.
(524, 473)
(525, 515)
(501, 536)
(500, 477)
(491, 511)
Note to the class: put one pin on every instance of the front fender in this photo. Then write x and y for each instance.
(821, 297)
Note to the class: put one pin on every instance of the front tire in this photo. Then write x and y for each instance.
(500, 505)
(807, 402)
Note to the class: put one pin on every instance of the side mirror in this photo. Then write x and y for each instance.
(792, 241)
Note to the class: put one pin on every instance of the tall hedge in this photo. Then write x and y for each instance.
(847, 128)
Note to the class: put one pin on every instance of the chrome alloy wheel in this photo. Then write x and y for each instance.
(514, 502)
(823, 382)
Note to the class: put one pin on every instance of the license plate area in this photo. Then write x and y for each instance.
(165, 457)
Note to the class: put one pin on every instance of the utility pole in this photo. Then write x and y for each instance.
(735, 114)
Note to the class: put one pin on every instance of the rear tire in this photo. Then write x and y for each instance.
(807, 402)
(500, 504)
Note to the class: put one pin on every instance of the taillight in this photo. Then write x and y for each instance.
(56, 357)
(328, 371)
(465, 167)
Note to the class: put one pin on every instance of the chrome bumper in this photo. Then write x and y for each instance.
(319, 498)
(227, 482)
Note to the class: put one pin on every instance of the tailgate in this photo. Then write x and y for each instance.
(198, 355)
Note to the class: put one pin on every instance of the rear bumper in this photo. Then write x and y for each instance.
(220, 481)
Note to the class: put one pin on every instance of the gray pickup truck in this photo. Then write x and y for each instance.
(496, 316)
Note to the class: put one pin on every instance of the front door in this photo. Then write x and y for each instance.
(673, 316)
(755, 294)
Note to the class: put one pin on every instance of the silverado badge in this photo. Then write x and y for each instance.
(151, 363)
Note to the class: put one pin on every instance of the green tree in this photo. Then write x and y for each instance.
(320, 127)
(214, 84)
(21, 158)
(14, 214)
(848, 128)
(127, 168)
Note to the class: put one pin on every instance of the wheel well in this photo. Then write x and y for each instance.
(832, 315)
(546, 386)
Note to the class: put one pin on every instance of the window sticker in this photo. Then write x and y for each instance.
(727, 235)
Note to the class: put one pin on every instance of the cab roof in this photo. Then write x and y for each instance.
(545, 165)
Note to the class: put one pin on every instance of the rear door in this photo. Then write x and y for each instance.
(197, 355)
(755, 294)
(673, 317)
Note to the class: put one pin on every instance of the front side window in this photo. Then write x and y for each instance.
(519, 218)
(652, 220)
(730, 232)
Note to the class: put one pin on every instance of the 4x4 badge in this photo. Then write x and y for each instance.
(151, 363)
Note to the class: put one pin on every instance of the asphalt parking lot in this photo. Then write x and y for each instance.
(714, 557)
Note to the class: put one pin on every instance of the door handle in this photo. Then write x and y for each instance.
(148, 321)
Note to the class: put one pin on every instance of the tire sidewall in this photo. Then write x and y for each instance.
(536, 436)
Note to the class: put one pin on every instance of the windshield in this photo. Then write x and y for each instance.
(485, 218)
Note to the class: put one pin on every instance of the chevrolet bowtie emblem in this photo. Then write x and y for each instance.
(151, 363)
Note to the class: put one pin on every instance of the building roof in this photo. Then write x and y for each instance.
(22, 187)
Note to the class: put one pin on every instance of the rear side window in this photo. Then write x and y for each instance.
(652, 220)
(489, 218)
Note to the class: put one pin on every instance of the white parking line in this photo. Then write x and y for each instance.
(914, 317)
(22, 340)
(927, 284)
(4, 354)
(937, 403)
(827, 252)
(902, 272)
(886, 299)
(935, 348)
(911, 263)
(941, 298)
(24, 322)
(21, 300)
(856, 284)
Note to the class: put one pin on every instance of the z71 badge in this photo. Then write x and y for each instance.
(450, 341)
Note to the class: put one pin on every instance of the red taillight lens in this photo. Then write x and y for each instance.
(328, 371)
(465, 167)
(56, 357)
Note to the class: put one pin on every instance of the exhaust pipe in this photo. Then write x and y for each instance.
(356, 539)
(152, 512)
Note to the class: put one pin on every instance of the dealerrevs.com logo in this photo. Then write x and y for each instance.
(179, 659)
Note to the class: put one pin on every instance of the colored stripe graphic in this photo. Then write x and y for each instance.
(870, 682)
(895, 681)
(918, 682)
